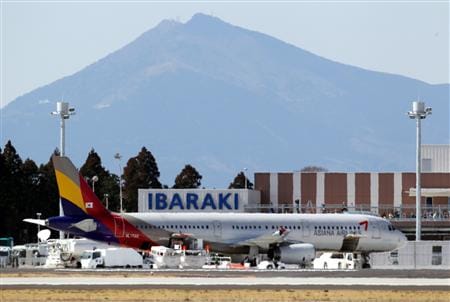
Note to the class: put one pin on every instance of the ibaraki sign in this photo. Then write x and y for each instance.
(192, 201)
(202, 200)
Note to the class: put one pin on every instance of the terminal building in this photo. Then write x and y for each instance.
(388, 194)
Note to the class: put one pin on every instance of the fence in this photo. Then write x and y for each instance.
(403, 213)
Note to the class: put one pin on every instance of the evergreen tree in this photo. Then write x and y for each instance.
(141, 172)
(314, 169)
(48, 189)
(239, 182)
(11, 193)
(188, 178)
(101, 180)
(4, 195)
(30, 204)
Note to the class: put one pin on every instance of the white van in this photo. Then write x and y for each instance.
(343, 261)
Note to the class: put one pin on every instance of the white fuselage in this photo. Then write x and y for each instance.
(325, 231)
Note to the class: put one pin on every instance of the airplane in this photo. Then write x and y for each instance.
(289, 238)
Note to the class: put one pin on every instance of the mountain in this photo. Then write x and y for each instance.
(222, 98)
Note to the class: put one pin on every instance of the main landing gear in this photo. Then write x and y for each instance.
(365, 258)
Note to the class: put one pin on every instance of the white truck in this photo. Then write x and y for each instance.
(5, 256)
(67, 252)
(339, 261)
(111, 257)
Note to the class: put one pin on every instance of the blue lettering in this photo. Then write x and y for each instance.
(208, 202)
(191, 200)
(150, 201)
(161, 201)
(236, 201)
(223, 201)
(176, 202)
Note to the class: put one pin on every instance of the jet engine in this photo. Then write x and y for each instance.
(298, 253)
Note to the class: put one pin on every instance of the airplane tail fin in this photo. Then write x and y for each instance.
(77, 198)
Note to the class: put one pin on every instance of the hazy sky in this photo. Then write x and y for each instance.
(42, 41)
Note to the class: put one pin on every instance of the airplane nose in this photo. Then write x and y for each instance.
(401, 239)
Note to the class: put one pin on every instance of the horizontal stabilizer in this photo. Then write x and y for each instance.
(35, 221)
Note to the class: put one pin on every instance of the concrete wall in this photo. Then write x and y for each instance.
(414, 255)
(436, 158)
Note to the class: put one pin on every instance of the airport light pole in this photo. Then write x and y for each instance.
(419, 112)
(39, 226)
(64, 112)
(119, 157)
(94, 179)
(245, 178)
(106, 195)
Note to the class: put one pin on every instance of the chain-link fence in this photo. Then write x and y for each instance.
(404, 213)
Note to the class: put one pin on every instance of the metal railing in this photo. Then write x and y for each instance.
(429, 213)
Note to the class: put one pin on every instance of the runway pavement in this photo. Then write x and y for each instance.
(220, 282)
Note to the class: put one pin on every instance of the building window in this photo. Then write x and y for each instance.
(436, 258)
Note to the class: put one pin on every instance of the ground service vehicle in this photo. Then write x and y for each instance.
(338, 261)
(111, 257)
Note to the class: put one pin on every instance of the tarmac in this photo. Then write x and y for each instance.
(225, 279)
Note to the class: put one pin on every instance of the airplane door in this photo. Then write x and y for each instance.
(306, 230)
(376, 232)
(119, 227)
(217, 229)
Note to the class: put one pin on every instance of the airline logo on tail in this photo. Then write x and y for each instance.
(85, 215)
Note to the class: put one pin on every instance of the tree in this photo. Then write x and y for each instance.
(104, 183)
(48, 189)
(141, 172)
(11, 193)
(30, 203)
(314, 169)
(239, 182)
(188, 178)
